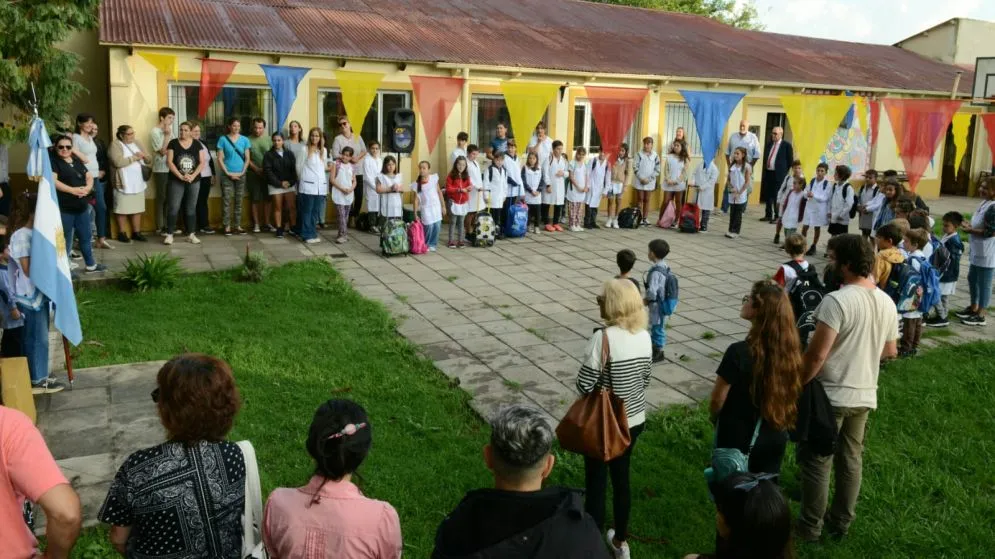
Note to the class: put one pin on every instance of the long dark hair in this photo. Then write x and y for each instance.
(757, 516)
(454, 172)
(386, 160)
(339, 439)
(775, 348)
(81, 119)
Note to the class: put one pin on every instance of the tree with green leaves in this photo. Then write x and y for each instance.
(31, 29)
(742, 15)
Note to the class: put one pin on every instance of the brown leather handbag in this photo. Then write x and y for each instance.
(596, 424)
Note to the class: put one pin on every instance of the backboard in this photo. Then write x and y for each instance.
(983, 92)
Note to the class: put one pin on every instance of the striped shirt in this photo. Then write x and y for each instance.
(628, 369)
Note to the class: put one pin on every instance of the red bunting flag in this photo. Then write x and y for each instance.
(919, 124)
(614, 110)
(214, 75)
(435, 97)
(989, 120)
(875, 121)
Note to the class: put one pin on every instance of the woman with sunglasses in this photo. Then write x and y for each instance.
(184, 497)
(127, 157)
(755, 397)
(329, 517)
(74, 187)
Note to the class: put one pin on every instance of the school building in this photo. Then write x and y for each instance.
(569, 42)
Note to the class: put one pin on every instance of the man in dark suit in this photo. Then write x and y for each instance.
(778, 155)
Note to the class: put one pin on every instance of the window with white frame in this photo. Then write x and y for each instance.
(374, 126)
(242, 102)
(486, 111)
(586, 131)
(679, 115)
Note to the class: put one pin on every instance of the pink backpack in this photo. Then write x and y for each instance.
(416, 238)
(668, 216)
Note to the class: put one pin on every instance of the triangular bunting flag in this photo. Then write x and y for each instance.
(814, 120)
(435, 97)
(919, 124)
(166, 63)
(875, 121)
(862, 114)
(711, 110)
(359, 90)
(283, 80)
(527, 103)
(989, 120)
(961, 125)
(614, 110)
(214, 75)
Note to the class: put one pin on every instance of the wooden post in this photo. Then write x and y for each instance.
(69, 361)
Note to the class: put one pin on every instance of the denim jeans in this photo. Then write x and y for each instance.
(203, 220)
(309, 206)
(101, 207)
(432, 234)
(658, 334)
(184, 194)
(79, 223)
(980, 282)
(36, 340)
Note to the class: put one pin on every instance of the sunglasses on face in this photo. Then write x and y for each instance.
(60, 148)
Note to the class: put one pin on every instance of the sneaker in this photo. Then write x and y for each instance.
(975, 320)
(341, 239)
(550, 228)
(240, 231)
(313, 241)
(75, 255)
(255, 229)
(535, 230)
(321, 226)
(595, 225)
(161, 232)
(704, 228)
(658, 355)
(192, 239)
(462, 244)
(731, 235)
(279, 233)
(95, 268)
(123, 239)
(936, 322)
(47, 386)
(178, 231)
(104, 245)
(269, 228)
(810, 251)
(139, 237)
(207, 231)
(558, 227)
(73, 266)
(452, 244)
(168, 240)
(375, 230)
(432, 249)
(620, 552)
(777, 239)
(227, 232)
(615, 224)
(964, 313)
(644, 223)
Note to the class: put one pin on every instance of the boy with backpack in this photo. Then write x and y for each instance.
(842, 204)
(800, 281)
(919, 291)
(889, 255)
(661, 295)
(950, 248)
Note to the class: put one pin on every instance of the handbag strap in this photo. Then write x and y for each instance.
(606, 356)
(756, 433)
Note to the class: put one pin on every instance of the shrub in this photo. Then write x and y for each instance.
(148, 272)
(254, 266)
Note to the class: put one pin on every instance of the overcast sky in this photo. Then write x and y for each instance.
(866, 21)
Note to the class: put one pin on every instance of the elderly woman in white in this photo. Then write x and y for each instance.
(127, 158)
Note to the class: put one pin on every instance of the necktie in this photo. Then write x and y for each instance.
(773, 153)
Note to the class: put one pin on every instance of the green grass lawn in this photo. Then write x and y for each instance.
(938, 227)
(304, 335)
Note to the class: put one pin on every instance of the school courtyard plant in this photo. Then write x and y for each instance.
(928, 490)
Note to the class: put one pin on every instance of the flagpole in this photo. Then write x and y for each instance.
(69, 361)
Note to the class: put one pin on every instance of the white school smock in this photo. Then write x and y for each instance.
(873, 200)
(532, 179)
(578, 175)
(982, 249)
(476, 186)
(647, 166)
(558, 185)
(514, 173)
(787, 185)
(343, 176)
(311, 170)
(840, 202)
(543, 149)
(390, 202)
(496, 183)
(705, 178)
(372, 166)
(675, 168)
(790, 208)
(598, 179)
(817, 207)
(737, 180)
(456, 154)
(428, 200)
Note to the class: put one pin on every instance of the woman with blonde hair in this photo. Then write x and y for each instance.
(759, 381)
(627, 369)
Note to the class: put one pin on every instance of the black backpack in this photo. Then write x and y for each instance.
(629, 218)
(806, 295)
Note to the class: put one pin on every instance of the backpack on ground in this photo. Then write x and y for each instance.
(393, 237)
(630, 218)
(690, 219)
(516, 222)
(416, 238)
(484, 229)
(941, 256)
(806, 295)
(668, 216)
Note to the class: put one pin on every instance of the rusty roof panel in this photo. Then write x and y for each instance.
(547, 34)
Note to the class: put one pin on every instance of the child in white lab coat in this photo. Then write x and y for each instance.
(534, 185)
(476, 187)
(429, 204)
(598, 184)
(793, 207)
(816, 206)
(495, 187)
(840, 202)
(554, 172)
(372, 166)
(787, 185)
(704, 178)
(576, 190)
(343, 188)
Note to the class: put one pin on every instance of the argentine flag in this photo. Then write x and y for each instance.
(49, 259)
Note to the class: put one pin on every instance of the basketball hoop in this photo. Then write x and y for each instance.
(983, 92)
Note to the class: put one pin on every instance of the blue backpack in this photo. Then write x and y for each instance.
(516, 223)
(671, 292)
(911, 290)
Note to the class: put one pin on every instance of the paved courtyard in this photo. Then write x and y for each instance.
(509, 324)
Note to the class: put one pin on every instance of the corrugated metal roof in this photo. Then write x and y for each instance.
(547, 34)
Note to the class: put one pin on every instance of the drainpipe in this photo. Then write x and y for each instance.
(953, 92)
(465, 99)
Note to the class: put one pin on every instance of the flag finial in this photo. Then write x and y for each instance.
(34, 100)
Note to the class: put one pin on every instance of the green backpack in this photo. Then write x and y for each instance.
(394, 237)
(730, 461)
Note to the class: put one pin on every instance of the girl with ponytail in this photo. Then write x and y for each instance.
(329, 517)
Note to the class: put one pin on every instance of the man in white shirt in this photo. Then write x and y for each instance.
(746, 140)
(856, 328)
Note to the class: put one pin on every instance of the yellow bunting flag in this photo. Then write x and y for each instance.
(961, 124)
(166, 63)
(814, 120)
(861, 111)
(359, 90)
(527, 103)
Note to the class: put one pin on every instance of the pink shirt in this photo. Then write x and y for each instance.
(27, 470)
(342, 525)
